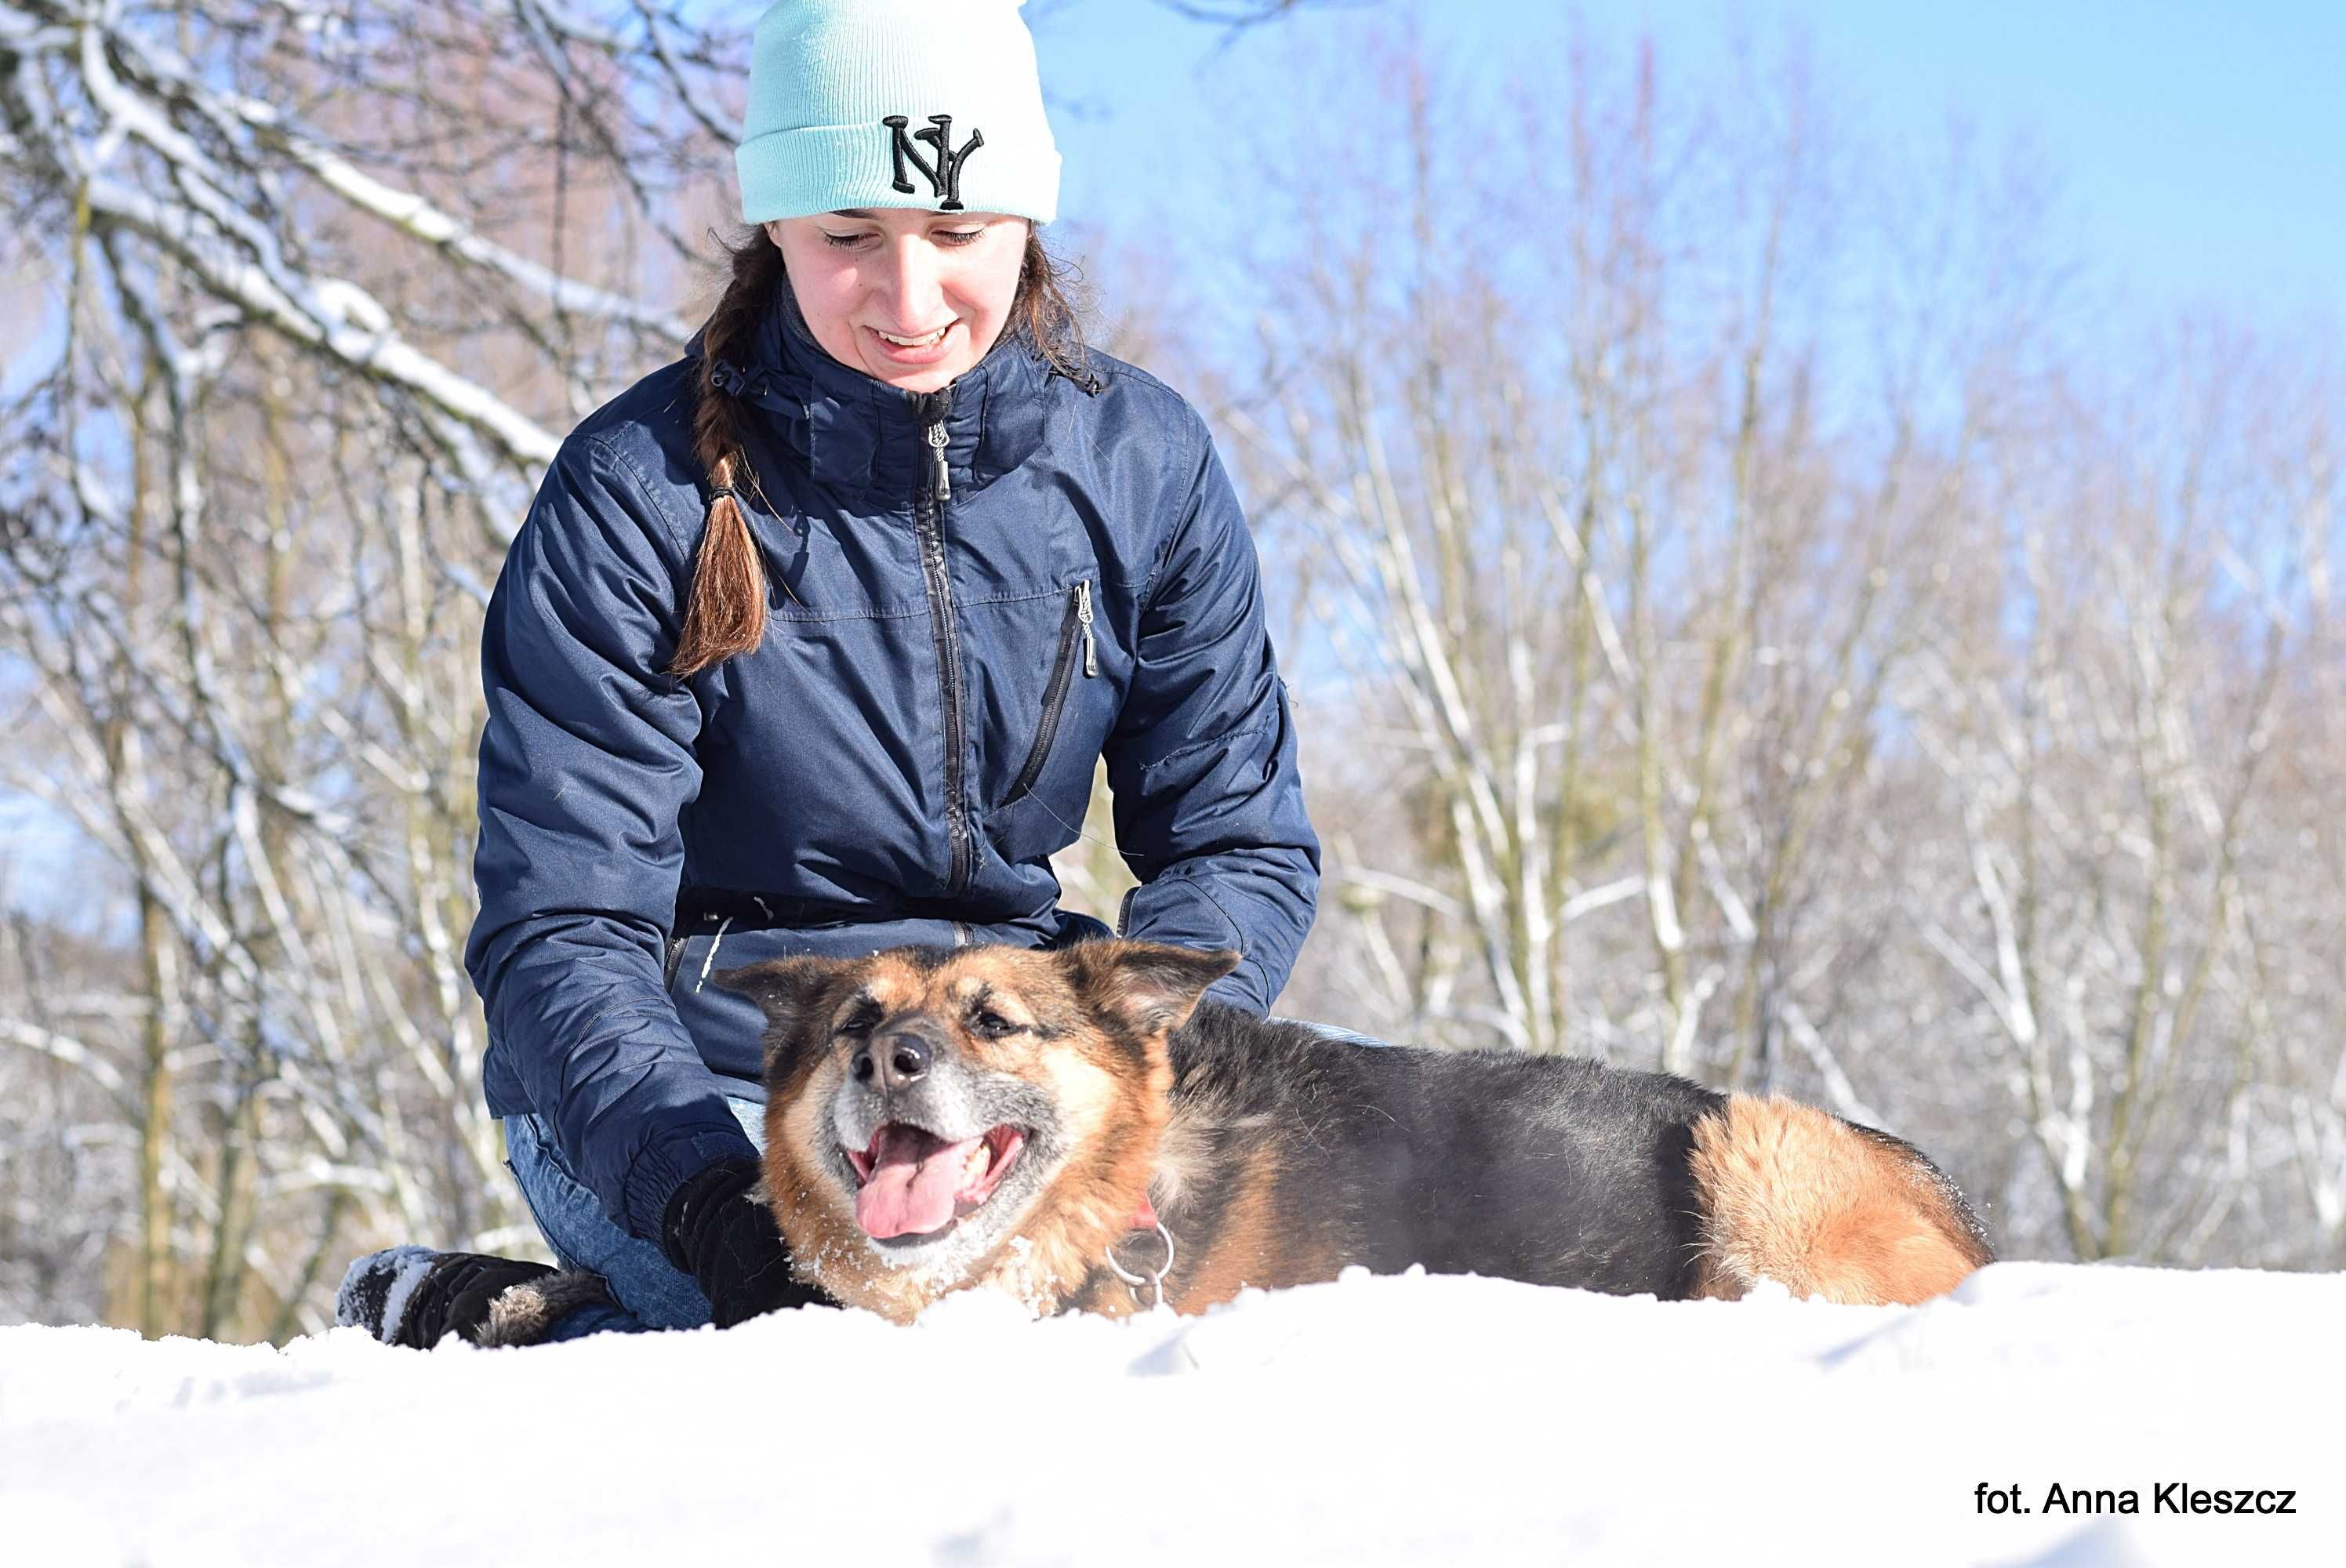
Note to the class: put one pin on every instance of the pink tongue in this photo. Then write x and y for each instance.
(914, 1182)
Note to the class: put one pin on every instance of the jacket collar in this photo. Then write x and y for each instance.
(857, 435)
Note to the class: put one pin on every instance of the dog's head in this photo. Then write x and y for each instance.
(941, 1117)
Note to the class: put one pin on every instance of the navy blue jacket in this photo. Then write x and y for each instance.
(946, 657)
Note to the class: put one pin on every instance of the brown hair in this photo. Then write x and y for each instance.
(725, 610)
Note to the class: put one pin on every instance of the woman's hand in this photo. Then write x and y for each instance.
(719, 1231)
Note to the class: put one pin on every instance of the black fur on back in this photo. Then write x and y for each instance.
(1554, 1170)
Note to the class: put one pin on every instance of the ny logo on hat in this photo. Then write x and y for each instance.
(939, 136)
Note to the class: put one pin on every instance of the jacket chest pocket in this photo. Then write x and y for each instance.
(1047, 679)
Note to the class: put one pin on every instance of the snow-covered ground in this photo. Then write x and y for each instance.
(1423, 1420)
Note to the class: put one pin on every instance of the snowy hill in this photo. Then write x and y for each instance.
(1393, 1419)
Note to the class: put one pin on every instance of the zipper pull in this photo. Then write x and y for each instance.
(937, 446)
(1084, 615)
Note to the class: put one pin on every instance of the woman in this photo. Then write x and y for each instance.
(809, 645)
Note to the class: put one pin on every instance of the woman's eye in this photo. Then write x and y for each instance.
(952, 238)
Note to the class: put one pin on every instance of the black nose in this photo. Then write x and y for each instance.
(896, 1060)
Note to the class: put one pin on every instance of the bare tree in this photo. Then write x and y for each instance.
(2109, 759)
(303, 379)
(1887, 713)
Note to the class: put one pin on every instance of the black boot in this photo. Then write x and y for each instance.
(413, 1296)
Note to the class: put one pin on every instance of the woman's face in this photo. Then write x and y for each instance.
(907, 296)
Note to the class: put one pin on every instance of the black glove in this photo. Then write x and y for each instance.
(446, 1293)
(719, 1230)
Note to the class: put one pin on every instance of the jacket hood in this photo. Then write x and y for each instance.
(857, 435)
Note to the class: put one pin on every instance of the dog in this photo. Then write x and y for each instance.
(1075, 1128)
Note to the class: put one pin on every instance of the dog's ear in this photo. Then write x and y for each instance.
(792, 993)
(1147, 986)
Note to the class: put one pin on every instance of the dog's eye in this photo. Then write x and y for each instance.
(860, 1022)
(992, 1026)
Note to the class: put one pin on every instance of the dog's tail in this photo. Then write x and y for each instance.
(1828, 1209)
(525, 1314)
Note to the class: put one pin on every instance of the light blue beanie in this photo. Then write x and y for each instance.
(895, 103)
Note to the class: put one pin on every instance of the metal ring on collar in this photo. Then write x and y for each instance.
(1155, 1280)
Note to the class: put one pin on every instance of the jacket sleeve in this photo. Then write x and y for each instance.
(587, 759)
(1209, 802)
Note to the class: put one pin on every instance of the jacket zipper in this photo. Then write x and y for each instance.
(943, 472)
(1079, 622)
(928, 519)
(1084, 615)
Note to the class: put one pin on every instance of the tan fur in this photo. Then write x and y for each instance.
(892, 982)
(1256, 1244)
(1003, 999)
(1793, 1195)
(1182, 1152)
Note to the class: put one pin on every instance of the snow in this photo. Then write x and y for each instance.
(1374, 1420)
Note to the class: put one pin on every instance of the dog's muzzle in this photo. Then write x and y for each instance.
(927, 1138)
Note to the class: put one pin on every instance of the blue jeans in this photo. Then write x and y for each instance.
(651, 1293)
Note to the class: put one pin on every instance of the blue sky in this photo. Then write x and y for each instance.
(2200, 146)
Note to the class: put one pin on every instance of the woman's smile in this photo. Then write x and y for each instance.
(911, 351)
(915, 339)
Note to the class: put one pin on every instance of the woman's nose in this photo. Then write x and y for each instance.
(911, 280)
